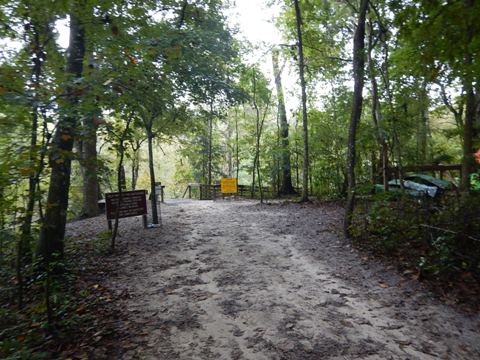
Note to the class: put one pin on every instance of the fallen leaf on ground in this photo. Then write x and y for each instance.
(383, 285)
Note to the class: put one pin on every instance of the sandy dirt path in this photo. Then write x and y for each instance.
(236, 280)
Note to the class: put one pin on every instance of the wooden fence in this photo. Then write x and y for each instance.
(441, 170)
(212, 192)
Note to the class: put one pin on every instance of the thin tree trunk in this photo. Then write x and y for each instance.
(301, 65)
(135, 163)
(210, 145)
(237, 155)
(286, 186)
(256, 160)
(53, 230)
(120, 182)
(153, 193)
(297, 157)
(358, 73)
(24, 251)
(277, 162)
(123, 180)
(422, 134)
(376, 111)
(395, 145)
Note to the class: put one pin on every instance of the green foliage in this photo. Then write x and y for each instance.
(475, 182)
(438, 238)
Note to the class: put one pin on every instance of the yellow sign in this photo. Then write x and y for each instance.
(228, 186)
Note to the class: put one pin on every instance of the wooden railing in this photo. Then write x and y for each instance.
(434, 169)
(212, 192)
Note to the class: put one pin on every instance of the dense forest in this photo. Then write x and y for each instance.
(166, 91)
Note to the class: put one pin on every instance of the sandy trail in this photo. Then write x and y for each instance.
(236, 280)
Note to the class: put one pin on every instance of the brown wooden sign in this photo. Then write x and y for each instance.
(133, 203)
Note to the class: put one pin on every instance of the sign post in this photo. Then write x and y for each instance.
(126, 204)
(228, 186)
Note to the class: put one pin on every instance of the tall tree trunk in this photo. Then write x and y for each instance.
(422, 133)
(297, 157)
(120, 181)
(358, 73)
(122, 177)
(135, 163)
(376, 110)
(24, 246)
(89, 169)
(468, 162)
(230, 150)
(153, 193)
(257, 142)
(53, 230)
(258, 135)
(210, 145)
(301, 65)
(286, 186)
(237, 154)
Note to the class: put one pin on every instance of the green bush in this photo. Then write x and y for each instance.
(438, 237)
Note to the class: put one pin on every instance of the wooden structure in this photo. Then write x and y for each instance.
(160, 190)
(213, 192)
(126, 204)
(432, 169)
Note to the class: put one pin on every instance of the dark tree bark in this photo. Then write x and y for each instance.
(53, 230)
(153, 192)
(122, 177)
(286, 186)
(24, 249)
(301, 66)
(358, 74)
(468, 161)
(24, 245)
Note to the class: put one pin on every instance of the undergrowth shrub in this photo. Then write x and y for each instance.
(440, 238)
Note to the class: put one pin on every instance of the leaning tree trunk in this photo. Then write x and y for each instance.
(286, 186)
(53, 230)
(358, 73)
(301, 65)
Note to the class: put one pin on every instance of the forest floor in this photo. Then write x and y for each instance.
(239, 280)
